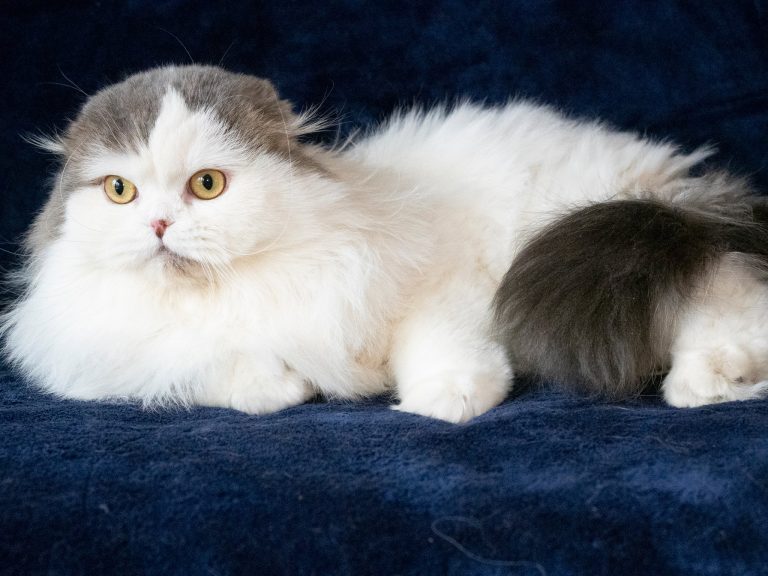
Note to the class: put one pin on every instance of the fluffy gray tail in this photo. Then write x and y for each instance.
(591, 300)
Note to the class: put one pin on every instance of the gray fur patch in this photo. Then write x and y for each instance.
(592, 299)
(122, 115)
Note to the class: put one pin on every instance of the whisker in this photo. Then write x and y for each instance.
(72, 83)
(62, 84)
(191, 60)
(221, 60)
(12, 253)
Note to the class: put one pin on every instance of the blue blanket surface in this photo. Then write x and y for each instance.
(547, 483)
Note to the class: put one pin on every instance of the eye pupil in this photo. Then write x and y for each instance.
(207, 181)
(118, 186)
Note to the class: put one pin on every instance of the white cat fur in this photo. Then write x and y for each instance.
(378, 270)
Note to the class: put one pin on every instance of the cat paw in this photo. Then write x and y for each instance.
(267, 397)
(454, 396)
(258, 392)
(698, 379)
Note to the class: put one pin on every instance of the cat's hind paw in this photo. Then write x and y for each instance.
(727, 375)
(454, 396)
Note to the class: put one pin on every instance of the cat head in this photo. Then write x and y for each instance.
(177, 168)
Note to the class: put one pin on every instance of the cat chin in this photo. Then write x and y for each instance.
(168, 264)
(173, 259)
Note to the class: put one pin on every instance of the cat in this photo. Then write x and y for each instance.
(196, 250)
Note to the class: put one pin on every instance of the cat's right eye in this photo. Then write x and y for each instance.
(120, 190)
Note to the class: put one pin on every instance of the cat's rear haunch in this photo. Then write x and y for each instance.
(194, 250)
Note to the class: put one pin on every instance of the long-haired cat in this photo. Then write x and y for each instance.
(194, 250)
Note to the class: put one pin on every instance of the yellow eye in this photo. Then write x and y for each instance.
(119, 190)
(207, 184)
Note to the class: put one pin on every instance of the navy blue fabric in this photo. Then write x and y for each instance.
(545, 484)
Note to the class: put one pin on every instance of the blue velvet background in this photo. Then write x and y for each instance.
(545, 484)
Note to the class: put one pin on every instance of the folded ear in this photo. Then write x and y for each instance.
(262, 94)
(259, 89)
(258, 93)
(252, 107)
(295, 124)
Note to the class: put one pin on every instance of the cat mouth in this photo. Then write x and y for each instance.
(171, 258)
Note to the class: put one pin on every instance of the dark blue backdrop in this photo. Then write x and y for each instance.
(545, 484)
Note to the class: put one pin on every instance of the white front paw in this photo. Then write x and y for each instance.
(455, 396)
(257, 389)
(266, 396)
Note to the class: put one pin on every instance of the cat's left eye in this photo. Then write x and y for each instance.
(207, 184)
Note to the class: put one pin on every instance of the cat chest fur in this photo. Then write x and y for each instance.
(162, 340)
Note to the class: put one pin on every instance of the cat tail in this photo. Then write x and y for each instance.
(592, 299)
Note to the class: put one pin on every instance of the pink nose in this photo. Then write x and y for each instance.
(159, 226)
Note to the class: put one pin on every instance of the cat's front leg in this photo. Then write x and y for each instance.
(256, 385)
(444, 359)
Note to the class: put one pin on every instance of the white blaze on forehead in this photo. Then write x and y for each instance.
(176, 133)
(175, 123)
(184, 140)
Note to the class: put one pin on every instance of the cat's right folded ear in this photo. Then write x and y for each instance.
(261, 89)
